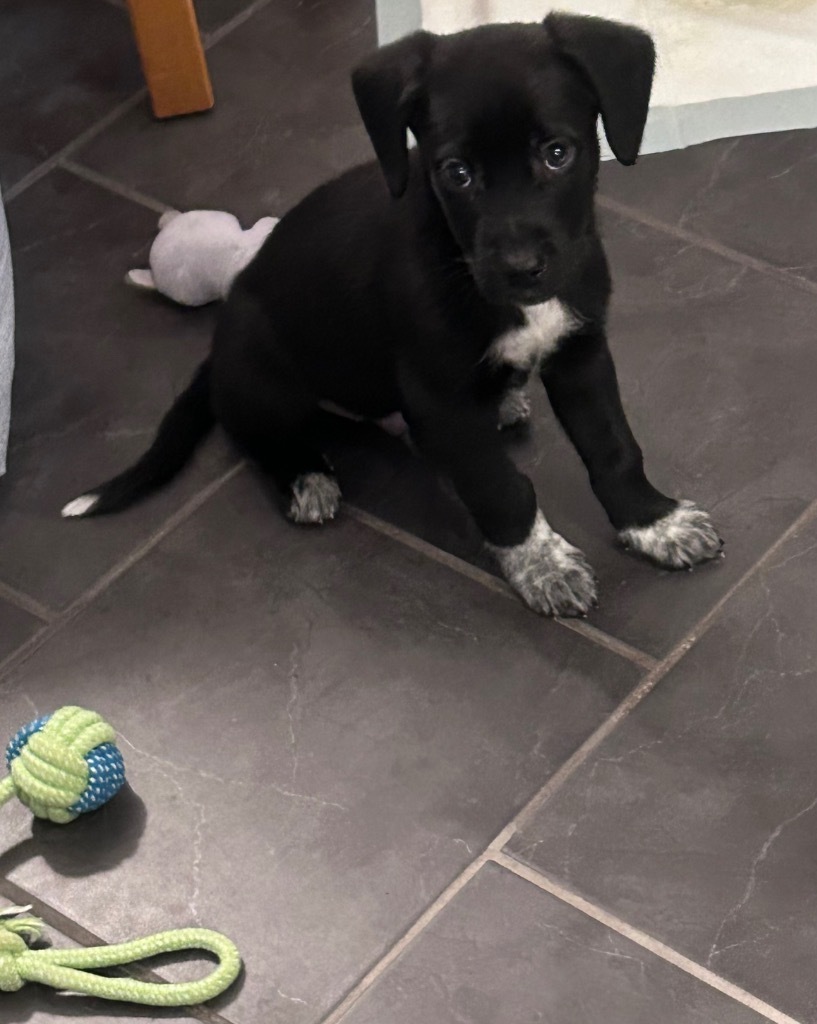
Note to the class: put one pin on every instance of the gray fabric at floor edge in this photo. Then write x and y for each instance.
(6, 337)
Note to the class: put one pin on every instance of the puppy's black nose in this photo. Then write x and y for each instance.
(524, 264)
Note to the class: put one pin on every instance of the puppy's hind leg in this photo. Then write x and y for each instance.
(271, 414)
(280, 440)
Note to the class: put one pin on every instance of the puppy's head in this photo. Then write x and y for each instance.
(505, 119)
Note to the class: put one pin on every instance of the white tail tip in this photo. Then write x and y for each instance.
(79, 506)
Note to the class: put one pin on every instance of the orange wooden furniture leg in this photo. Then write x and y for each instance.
(167, 36)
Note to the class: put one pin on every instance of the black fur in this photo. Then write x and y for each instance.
(381, 300)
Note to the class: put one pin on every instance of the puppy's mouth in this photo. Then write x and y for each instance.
(502, 289)
(528, 295)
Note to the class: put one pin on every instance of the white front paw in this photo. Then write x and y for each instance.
(549, 574)
(679, 540)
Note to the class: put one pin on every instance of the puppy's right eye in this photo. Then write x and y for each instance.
(456, 173)
(558, 155)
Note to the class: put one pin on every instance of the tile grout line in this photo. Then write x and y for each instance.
(209, 40)
(78, 933)
(494, 850)
(607, 640)
(710, 244)
(90, 133)
(351, 998)
(55, 919)
(491, 582)
(640, 938)
(112, 185)
(26, 650)
(11, 595)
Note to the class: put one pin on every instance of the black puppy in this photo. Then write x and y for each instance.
(437, 301)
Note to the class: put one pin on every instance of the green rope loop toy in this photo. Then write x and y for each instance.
(61, 766)
(68, 969)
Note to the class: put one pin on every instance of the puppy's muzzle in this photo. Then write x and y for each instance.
(518, 274)
(514, 261)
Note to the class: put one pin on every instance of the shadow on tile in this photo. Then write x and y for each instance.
(96, 842)
(64, 66)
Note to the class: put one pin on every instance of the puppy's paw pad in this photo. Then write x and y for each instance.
(679, 540)
(79, 507)
(315, 498)
(514, 409)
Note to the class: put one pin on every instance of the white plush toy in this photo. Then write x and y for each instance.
(196, 255)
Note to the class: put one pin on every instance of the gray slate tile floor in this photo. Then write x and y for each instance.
(410, 800)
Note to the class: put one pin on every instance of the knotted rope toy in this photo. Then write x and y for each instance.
(61, 766)
(68, 969)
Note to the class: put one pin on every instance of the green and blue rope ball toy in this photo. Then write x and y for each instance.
(60, 766)
(63, 765)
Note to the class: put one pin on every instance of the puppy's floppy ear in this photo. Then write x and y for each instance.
(619, 61)
(386, 85)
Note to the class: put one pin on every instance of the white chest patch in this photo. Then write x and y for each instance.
(527, 346)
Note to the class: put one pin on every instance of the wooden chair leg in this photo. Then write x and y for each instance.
(167, 36)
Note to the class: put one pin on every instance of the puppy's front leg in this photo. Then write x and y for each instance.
(581, 383)
(550, 575)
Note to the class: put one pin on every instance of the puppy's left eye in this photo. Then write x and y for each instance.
(558, 155)
(457, 173)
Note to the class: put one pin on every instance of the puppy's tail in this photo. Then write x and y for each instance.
(185, 425)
